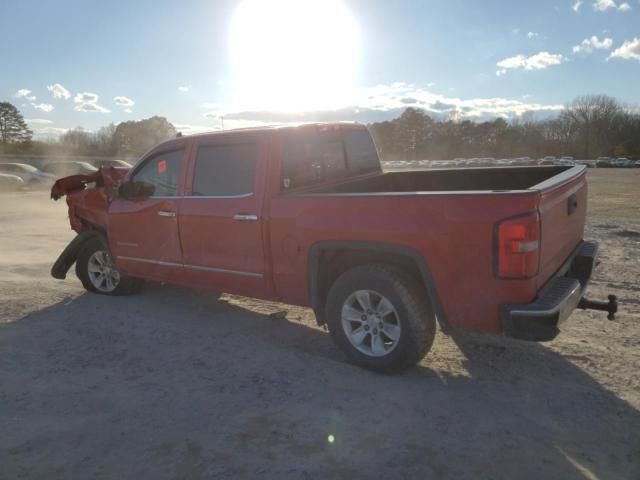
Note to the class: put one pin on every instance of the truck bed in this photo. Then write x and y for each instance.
(471, 179)
(442, 214)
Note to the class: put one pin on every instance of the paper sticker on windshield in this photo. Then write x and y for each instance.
(162, 166)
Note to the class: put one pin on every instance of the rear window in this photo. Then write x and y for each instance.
(362, 155)
(311, 156)
(225, 170)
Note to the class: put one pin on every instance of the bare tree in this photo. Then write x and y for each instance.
(592, 116)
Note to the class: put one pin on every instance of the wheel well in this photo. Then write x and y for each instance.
(327, 264)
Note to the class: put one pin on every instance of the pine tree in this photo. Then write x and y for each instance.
(13, 128)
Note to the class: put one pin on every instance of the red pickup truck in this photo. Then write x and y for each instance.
(306, 215)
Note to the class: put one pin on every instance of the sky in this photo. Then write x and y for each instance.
(214, 64)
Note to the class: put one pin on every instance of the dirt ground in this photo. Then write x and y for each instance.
(173, 384)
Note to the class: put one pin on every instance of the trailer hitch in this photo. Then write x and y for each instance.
(611, 306)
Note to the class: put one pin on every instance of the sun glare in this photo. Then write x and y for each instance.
(293, 55)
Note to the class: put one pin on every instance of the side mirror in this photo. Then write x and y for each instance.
(131, 190)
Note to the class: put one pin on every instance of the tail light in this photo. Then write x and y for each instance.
(518, 246)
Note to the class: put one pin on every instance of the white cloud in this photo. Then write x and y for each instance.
(26, 94)
(85, 97)
(123, 101)
(379, 103)
(604, 5)
(43, 107)
(588, 44)
(184, 88)
(577, 5)
(630, 50)
(38, 121)
(532, 34)
(539, 61)
(90, 107)
(88, 102)
(58, 91)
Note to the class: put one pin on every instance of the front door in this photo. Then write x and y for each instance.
(220, 221)
(143, 233)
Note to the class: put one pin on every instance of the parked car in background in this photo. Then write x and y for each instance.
(587, 163)
(111, 163)
(30, 174)
(636, 164)
(622, 162)
(603, 162)
(439, 164)
(565, 162)
(69, 167)
(547, 161)
(505, 162)
(10, 182)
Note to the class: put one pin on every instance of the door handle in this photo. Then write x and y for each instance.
(242, 217)
(166, 213)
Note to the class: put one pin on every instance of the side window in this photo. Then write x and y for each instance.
(162, 171)
(361, 151)
(225, 170)
(311, 156)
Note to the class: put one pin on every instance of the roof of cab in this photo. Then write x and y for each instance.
(269, 128)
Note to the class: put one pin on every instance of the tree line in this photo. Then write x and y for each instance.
(589, 127)
(125, 140)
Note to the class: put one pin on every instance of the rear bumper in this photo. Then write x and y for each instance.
(539, 321)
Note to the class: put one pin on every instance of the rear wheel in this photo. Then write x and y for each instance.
(380, 317)
(97, 272)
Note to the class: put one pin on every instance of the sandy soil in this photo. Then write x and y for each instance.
(175, 384)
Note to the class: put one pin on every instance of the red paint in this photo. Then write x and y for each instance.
(453, 232)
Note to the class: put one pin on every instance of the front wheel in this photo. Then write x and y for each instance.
(97, 272)
(380, 317)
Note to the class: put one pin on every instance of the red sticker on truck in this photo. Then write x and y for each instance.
(162, 166)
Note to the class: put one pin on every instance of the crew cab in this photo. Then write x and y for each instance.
(305, 215)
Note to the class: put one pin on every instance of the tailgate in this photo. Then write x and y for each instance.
(563, 208)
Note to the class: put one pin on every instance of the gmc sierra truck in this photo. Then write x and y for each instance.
(305, 215)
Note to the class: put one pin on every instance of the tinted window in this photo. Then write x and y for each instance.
(162, 171)
(311, 156)
(225, 170)
(361, 151)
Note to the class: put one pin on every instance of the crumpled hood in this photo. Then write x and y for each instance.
(106, 177)
(89, 207)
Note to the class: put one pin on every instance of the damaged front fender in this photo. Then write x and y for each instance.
(70, 254)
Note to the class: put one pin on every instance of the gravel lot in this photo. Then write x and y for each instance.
(174, 384)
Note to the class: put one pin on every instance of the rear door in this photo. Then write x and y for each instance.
(143, 233)
(221, 227)
(563, 208)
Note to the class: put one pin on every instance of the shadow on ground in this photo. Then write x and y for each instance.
(174, 384)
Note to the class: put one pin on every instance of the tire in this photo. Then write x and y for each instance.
(95, 254)
(395, 339)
